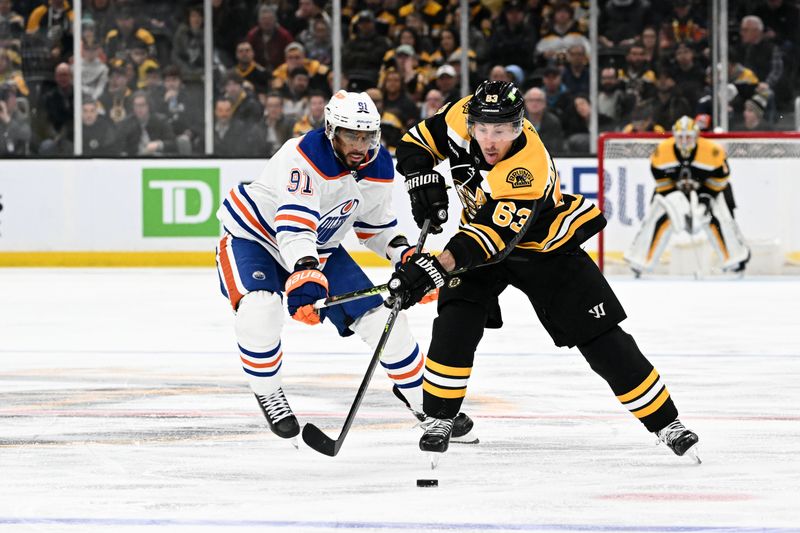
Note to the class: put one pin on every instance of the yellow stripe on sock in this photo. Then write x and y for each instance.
(638, 391)
(448, 371)
(653, 407)
(443, 393)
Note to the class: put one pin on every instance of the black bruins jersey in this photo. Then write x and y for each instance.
(515, 204)
(706, 165)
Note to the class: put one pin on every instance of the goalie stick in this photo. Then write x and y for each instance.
(315, 437)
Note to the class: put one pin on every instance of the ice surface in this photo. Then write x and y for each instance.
(124, 409)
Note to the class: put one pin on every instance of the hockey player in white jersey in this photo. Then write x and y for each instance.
(282, 237)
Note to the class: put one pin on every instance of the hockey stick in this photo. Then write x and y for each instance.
(315, 437)
(378, 289)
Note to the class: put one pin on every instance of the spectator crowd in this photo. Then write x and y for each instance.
(143, 64)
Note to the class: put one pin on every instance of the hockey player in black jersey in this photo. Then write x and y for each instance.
(517, 228)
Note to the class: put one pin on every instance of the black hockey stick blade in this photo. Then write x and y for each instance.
(319, 441)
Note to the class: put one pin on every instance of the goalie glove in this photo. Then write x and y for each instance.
(415, 278)
(428, 194)
(306, 285)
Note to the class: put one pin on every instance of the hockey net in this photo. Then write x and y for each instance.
(765, 176)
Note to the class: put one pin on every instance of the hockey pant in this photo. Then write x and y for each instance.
(253, 281)
(676, 213)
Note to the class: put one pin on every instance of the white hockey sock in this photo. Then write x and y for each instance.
(259, 320)
(402, 359)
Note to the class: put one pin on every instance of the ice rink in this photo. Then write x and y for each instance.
(124, 409)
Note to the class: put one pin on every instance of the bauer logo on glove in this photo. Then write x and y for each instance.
(305, 286)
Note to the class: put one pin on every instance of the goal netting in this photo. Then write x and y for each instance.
(765, 175)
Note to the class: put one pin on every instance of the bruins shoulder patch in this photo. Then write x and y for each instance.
(520, 177)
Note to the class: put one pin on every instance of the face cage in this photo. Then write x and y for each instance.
(516, 129)
(685, 142)
(350, 136)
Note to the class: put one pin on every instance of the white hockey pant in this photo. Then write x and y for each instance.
(258, 324)
(402, 359)
(725, 236)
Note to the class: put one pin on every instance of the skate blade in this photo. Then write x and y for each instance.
(469, 438)
(434, 458)
(294, 442)
(693, 454)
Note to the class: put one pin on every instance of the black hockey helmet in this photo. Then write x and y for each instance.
(496, 102)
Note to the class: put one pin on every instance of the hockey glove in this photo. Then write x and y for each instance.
(429, 297)
(428, 194)
(415, 278)
(305, 286)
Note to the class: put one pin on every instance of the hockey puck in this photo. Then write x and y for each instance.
(427, 483)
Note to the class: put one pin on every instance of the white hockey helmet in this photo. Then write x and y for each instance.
(353, 111)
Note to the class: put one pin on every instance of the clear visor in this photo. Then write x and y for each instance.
(685, 141)
(359, 139)
(491, 132)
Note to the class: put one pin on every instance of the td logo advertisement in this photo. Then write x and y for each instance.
(180, 202)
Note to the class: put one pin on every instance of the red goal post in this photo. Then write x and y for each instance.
(765, 175)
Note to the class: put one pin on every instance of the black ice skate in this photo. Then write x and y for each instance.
(279, 415)
(462, 423)
(436, 438)
(680, 440)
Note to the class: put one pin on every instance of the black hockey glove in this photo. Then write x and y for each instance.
(428, 194)
(415, 278)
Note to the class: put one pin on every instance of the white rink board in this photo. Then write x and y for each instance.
(96, 205)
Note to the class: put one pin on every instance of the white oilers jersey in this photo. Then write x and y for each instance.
(305, 201)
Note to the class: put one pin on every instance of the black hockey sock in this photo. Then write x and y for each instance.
(456, 333)
(615, 356)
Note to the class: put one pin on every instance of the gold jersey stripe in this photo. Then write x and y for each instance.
(450, 371)
(492, 234)
(478, 240)
(638, 391)
(426, 135)
(444, 393)
(653, 407)
(408, 138)
(577, 223)
(554, 227)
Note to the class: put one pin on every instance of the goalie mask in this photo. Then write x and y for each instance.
(348, 114)
(685, 132)
(496, 103)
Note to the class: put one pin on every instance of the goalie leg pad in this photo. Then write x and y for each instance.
(651, 239)
(258, 325)
(616, 358)
(725, 236)
(402, 358)
(677, 207)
